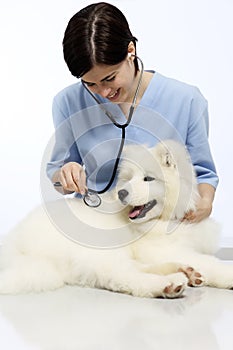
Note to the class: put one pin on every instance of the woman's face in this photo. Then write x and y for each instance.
(117, 83)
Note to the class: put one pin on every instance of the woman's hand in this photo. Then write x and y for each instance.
(72, 177)
(203, 205)
(203, 210)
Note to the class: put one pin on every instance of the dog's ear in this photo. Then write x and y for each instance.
(164, 152)
(167, 160)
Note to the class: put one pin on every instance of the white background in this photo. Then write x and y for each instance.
(190, 40)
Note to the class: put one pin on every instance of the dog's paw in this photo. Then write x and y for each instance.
(194, 277)
(176, 287)
(172, 291)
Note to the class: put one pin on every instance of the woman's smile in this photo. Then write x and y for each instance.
(113, 96)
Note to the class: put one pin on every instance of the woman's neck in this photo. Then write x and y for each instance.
(146, 78)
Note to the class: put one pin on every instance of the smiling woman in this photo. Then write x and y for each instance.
(102, 86)
(116, 83)
(100, 49)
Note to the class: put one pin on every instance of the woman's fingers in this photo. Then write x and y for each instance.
(73, 177)
(82, 182)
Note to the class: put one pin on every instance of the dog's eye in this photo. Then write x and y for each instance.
(148, 178)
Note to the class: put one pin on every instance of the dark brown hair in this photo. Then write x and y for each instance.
(97, 34)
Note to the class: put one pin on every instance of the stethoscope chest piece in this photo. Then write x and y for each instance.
(92, 199)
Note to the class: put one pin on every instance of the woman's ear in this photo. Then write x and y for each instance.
(131, 50)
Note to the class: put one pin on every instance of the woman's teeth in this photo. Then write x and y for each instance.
(113, 94)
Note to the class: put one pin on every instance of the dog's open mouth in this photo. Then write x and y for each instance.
(140, 211)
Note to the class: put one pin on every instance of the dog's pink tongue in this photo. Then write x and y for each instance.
(135, 211)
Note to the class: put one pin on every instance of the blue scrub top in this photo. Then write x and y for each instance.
(169, 109)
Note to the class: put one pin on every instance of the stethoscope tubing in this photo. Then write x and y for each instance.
(91, 198)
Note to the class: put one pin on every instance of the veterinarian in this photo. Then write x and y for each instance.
(100, 50)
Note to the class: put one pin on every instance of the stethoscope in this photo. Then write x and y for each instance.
(91, 198)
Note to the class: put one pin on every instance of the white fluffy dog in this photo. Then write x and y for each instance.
(155, 188)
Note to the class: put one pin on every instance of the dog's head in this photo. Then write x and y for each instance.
(157, 182)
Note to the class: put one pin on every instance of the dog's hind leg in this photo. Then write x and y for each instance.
(195, 279)
(217, 273)
(29, 274)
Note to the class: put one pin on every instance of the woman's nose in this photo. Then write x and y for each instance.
(103, 91)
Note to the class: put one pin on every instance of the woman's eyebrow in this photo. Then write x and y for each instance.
(105, 78)
(108, 76)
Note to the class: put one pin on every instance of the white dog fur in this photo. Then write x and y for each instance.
(167, 255)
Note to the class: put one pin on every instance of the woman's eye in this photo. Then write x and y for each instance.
(148, 178)
(111, 79)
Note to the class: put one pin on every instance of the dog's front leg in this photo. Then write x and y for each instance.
(127, 276)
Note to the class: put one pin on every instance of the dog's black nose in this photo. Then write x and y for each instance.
(122, 194)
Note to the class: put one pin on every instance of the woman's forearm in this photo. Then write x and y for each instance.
(207, 192)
